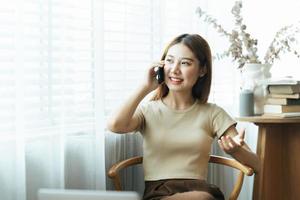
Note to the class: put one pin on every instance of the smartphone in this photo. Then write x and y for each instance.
(160, 75)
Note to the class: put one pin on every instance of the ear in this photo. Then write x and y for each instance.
(203, 71)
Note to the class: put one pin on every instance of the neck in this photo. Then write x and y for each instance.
(179, 101)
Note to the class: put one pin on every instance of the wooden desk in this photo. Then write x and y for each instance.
(278, 147)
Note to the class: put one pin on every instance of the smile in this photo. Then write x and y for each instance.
(176, 80)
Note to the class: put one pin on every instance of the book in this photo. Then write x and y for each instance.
(287, 96)
(281, 115)
(283, 81)
(283, 101)
(269, 108)
(284, 89)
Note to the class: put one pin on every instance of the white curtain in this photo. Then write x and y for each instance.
(130, 42)
(49, 137)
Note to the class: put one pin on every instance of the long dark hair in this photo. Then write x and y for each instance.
(202, 51)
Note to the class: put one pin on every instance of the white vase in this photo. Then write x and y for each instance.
(253, 77)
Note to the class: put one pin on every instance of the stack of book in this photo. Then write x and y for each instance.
(283, 100)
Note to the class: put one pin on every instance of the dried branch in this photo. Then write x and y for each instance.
(243, 48)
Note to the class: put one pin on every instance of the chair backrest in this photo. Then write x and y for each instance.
(113, 173)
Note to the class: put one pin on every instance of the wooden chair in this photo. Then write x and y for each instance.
(113, 173)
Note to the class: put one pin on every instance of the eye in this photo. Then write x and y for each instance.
(186, 63)
(169, 60)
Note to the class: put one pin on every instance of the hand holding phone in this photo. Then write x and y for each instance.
(159, 74)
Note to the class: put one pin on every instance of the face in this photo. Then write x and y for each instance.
(181, 68)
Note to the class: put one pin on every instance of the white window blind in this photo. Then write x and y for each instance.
(46, 67)
(128, 47)
(135, 33)
(7, 72)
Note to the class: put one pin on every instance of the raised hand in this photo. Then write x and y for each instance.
(151, 82)
(231, 144)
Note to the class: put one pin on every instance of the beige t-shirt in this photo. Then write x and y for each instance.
(177, 143)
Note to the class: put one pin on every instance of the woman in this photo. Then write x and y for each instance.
(178, 125)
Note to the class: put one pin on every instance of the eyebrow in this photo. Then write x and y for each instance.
(183, 58)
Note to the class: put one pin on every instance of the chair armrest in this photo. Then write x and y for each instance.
(237, 165)
(113, 172)
(231, 163)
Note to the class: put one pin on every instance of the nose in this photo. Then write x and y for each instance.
(175, 67)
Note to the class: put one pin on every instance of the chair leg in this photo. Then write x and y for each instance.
(117, 183)
(238, 186)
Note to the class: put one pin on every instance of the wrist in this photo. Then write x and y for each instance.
(145, 89)
(236, 151)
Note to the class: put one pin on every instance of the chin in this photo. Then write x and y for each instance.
(176, 88)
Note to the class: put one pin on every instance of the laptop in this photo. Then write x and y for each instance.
(63, 194)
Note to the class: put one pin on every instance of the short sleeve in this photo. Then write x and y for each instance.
(139, 113)
(221, 121)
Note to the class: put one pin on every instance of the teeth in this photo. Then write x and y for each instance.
(175, 79)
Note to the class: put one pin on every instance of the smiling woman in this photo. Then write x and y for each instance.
(181, 68)
(179, 126)
(179, 57)
(63, 69)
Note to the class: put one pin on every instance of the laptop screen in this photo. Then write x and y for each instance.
(62, 194)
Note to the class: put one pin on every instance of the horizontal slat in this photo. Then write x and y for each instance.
(119, 4)
(83, 128)
(62, 106)
(59, 92)
(45, 125)
(119, 16)
(116, 65)
(83, 115)
(131, 57)
(128, 47)
(137, 37)
(121, 46)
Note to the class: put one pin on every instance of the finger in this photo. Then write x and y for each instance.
(233, 142)
(231, 146)
(239, 141)
(221, 144)
(162, 62)
(225, 143)
(242, 133)
(156, 63)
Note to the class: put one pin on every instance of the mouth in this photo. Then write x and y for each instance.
(175, 80)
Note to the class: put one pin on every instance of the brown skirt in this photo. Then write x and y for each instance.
(155, 190)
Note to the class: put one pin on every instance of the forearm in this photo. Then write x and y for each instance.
(120, 120)
(247, 157)
(233, 143)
